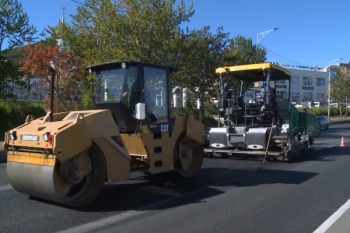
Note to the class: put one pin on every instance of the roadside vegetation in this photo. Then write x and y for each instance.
(335, 112)
(14, 113)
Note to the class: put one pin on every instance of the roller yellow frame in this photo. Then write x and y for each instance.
(67, 157)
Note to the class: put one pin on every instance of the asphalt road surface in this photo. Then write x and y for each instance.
(229, 195)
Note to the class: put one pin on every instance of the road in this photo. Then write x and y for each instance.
(229, 195)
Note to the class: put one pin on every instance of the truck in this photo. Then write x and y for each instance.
(67, 157)
(256, 120)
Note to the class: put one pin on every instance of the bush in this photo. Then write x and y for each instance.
(318, 111)
(323, 111)
(14, 113)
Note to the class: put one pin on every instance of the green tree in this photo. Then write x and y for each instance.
(8, 76)
(241, 50)
(340, 90)
(15, 30)
(146, 30)
(200, 55)
(62, 35)
(14, 24)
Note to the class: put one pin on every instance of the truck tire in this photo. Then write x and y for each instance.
(291, 154)
(304, 149)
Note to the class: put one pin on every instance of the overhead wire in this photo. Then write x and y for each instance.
(287, 59)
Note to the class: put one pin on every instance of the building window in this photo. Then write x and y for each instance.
(320, 82)
(295, 80)
(294, 96)
(307, 96)
(307, 81)
(320, 97)
(280, 81)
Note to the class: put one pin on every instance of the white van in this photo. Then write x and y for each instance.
(317, 104)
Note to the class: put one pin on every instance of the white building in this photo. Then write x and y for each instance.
(308, 83)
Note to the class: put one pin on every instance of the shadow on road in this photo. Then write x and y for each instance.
(167, 191)
(328, 154)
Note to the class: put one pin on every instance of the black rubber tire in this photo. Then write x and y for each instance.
(290, 155)
(304, 150)
(196, 160)
(88, 189)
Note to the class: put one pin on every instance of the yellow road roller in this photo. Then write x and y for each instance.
(67, 157)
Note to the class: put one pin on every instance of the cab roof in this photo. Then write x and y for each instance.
(256, 72)
(125, 64)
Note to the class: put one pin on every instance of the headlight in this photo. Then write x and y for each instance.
(13, 136)
(48, 137)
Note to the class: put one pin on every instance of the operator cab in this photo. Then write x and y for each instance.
(254, 106)
(133, 91)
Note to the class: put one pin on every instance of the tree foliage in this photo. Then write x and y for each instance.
(202, 52)
(145, 30)
(151, 31)
(14, 24)
(340, 89)
(242, 51)
(200, 55)
(40, 59)
(14, 31)
(8, 75)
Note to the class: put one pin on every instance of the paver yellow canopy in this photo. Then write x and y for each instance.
(259, 120)
(67, 157)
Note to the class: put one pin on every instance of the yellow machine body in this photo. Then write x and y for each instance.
(67, 157)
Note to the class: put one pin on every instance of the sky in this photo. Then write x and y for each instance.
(312, 32)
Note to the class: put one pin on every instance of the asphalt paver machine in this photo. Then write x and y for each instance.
(255, 119)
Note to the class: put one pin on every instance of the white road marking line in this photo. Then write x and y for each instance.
(333, 218)
(6, 187)
(104, 222)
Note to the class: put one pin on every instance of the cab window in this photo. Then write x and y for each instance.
(155, 93)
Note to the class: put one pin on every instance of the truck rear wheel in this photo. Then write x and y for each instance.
(290, 154)
(88, 187)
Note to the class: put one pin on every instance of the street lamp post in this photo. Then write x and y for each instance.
(329, 84)
(261, 35)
